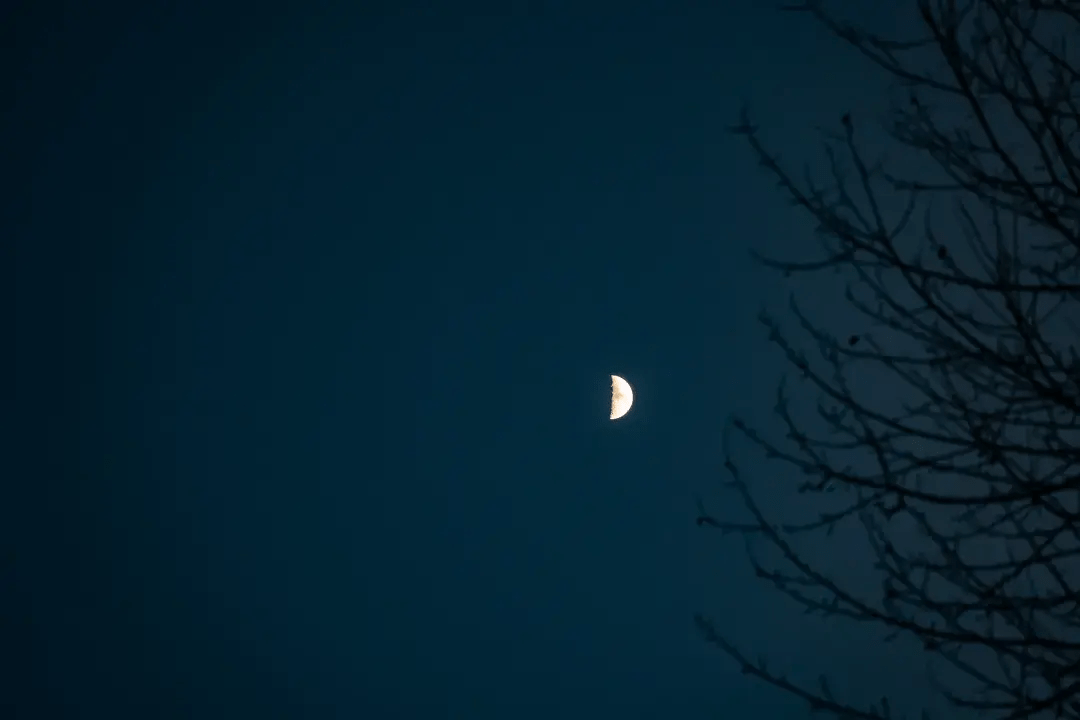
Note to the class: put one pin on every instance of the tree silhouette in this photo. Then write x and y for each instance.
(941, 419)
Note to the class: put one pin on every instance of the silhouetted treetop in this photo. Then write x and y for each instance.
(939, 416)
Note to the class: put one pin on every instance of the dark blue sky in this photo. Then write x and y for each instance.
(316, 309)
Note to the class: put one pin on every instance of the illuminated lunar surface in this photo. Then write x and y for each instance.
(622, 397)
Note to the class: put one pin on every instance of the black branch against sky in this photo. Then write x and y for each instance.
(940, 421)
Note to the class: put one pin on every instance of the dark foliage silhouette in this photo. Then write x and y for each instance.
(938, 422)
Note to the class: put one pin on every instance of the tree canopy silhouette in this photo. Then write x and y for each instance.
(940, 418)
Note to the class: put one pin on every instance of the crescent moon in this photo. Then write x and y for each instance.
(622, 397)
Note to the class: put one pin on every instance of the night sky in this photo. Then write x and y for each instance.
(316, 309)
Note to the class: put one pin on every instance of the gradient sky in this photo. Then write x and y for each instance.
(316, 310)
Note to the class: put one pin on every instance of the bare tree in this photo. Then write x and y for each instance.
(944, 424)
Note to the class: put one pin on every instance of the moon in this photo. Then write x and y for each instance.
(622, 397)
